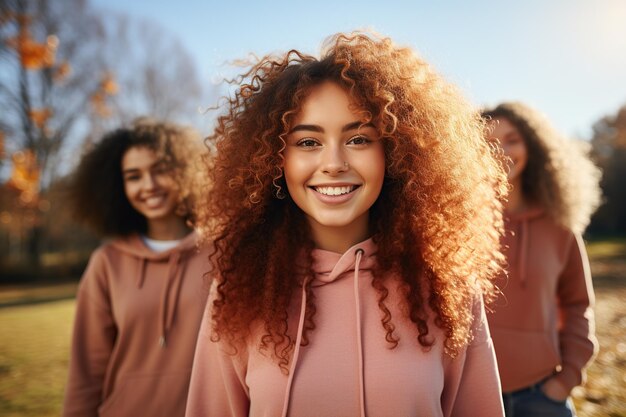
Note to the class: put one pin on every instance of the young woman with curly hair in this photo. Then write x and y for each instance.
(542, 324)
(355, 212)
(141, 299)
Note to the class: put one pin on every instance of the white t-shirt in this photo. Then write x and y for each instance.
(159, 245)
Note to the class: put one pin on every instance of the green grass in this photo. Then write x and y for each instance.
(33, 358)
(609, 248)
(605, 391)
(14, 295)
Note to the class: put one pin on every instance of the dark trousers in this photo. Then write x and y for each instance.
(532, 402)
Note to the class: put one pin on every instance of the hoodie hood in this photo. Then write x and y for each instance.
(133, 245)
(517, 239)
(175, 258)
(330, 267)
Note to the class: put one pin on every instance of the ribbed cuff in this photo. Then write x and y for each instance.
(568, 377)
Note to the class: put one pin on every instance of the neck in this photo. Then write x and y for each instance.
(516, 202)
(340, 239)
(172, 228)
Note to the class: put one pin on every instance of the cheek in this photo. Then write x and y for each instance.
(166, 180)
(521, 154)
(129, 190)
(297, 170)
(374, 168)
(522, 160)
(512, 150)
(170, 186)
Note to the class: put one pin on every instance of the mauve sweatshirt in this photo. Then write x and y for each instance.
(347, 369)
(542, 323)
(138, 313)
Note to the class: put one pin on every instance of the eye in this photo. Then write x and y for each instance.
(131, 178)
(512, 140)
(359, 140)
(307, 143)
(161, 169)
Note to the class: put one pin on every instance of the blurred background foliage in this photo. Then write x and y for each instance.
(68, 73)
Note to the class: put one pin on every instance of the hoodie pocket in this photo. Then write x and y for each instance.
(524, 357)
(148, 395)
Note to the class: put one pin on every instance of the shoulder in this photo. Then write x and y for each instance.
(104, 254)
(479, 330)
(101, 254)
(116, 244)
(109, 253)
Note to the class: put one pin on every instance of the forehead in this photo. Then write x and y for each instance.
(329, 104)
(139, 157)
(501, 127)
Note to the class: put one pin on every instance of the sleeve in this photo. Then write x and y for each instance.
(472, 385)
(577, 341)
(92, 342)
(217, 387)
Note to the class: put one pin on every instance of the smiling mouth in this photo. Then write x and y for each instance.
(154, 200)
(334, 191)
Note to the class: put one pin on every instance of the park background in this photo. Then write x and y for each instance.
(72, 69)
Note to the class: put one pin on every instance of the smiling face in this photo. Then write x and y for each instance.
(334, 166)
(514, 147)
(149, 185)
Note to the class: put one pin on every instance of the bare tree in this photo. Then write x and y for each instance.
(609, 146)
(48, 58)
(67, 73)
(46, 79)
(155, 74)
(165, 73)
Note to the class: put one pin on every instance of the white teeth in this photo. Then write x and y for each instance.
(153, 201)
(334, 190)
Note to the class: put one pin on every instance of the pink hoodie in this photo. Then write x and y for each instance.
(137, 318)
(542, 323)
(347, 369)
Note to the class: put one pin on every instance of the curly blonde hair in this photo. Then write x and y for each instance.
(559, 175)
(437, 221)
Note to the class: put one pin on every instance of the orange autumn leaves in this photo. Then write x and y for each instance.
(107, 87)
(34, 55)
(25, 176)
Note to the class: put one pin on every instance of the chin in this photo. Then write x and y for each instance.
(335, 222)
(158, 215)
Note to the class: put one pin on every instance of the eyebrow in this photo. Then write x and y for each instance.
(320, 129)
(512, 135)
(128, 170)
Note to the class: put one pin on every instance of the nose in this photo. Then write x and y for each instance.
(333, 161)
(149, 182)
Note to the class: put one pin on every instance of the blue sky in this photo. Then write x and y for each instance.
(565, 57)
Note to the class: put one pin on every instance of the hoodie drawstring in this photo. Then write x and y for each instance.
(292, 368)
(167, 314)
(523, 251)
(359, 254)
(519, 226)
(142, 272)
(176, 293)
(296, 352)
(169, 284)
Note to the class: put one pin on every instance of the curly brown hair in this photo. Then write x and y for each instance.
(437, 221)
(95, 189)
(559, 175)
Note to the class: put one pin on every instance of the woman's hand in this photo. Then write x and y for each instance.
(554, 390)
